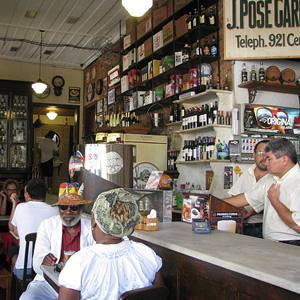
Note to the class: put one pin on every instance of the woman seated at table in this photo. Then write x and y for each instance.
(115, 264)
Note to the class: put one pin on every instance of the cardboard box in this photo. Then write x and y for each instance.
(181, 3)
(144, 73)
(181, 26)
(134, 78)
(126, 61)
(130, 25)
(168, 32)
(153, 68)
(149, 97)
(158, 41)
(124, 84)
(137, 99)
(126, 41)
(141, 52)
(159, 15)
(132, 56)
(170, 8)
(144, 26)
(148, 46)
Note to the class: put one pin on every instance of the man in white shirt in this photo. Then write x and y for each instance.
(48, 148)
(27, 218)
(256, 173)
(279, 196)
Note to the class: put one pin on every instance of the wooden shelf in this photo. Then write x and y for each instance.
(254, 86)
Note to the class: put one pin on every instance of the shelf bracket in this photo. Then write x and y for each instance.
(252, 94)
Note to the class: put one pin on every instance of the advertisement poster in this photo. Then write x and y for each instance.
(260, 29)
(74, 94)
(271, 119)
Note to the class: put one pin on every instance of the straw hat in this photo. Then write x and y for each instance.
(69, 194)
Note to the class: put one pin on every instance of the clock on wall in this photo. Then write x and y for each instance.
(90, 91)
(58, 83)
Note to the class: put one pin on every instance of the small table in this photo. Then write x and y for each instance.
(51, 276)
(4, 223)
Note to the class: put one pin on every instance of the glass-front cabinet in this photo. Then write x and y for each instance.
(15, 128)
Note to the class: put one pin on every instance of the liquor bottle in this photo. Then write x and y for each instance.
(222, 119)
(261, 73)
(195, 18)
(210, 114)
(206, 48)
(186, 53)
(189, 21)
(171, 118)
(184, 151)
(218, 83)
(202, 16)
(141, 208)
(253, 73)
(183, 117)
(177, 113)
(226, 83)
(213, 47)
(199, 49)
(215, 112)
(211, 17)
(244, 74)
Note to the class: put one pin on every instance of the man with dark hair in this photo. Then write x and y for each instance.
(48, 148)
(10, 187)
(27, 218)
(279, 195)
(257, 173)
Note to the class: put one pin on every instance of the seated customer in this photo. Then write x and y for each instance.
(114, 265)
(66, 232)
(10, 187)
(27, 218)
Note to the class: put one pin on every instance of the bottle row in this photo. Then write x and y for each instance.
(19, 132)
(199, 149)
(123, 120)
(172, 158)
(18, 156)
(261, 75)
(202, 18)
(19, 106)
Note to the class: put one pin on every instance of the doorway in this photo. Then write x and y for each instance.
(66, 125)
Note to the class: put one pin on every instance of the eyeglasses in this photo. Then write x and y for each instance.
(65, 207)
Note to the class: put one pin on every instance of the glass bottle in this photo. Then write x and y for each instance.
(253, 73)
(213, 47)
(195, 18)
(226, 83)
(244, 74)
(261, 73)
(202, 16)
(189, 21)
(206, 48)
(211, 17)
(186, 53)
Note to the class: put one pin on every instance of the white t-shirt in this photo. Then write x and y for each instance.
(47, 147)
(27, 219)
(273, 227)
(107, 271)
(244, 184)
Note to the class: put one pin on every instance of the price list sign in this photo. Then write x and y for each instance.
(261, 29)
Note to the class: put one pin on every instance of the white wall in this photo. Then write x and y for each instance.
(15, 70)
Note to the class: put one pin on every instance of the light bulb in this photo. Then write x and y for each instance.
(137, 8)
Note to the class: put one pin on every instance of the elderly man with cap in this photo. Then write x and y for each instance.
(115, 264)
(65, 232)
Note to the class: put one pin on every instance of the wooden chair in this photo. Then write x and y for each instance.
(157, 292)
(5, 282)
(21, 285)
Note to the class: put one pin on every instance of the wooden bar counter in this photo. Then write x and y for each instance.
(223, 265)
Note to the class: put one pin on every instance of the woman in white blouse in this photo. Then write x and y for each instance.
(115, 264)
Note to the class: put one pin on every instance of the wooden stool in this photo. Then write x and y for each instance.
(5, 282)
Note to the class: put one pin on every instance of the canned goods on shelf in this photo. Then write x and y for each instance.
(205, 69)
(193, 73)
(178, 79)
(172, 79)
(194, 82)
(178, 88)
(186, 85)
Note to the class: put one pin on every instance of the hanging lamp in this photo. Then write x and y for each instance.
(137, 8)
(51, 115)
(39, 86)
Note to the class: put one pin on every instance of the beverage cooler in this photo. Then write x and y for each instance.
(113, 162)
(15, 160)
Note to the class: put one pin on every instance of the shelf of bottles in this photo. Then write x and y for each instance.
(13, 131)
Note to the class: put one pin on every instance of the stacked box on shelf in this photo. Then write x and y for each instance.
(168, 33)
(134, 78)
(181, 26)
(144, 73)
(141, 52)
(168, 62)
(181, 3)
(159, 15)
(127, 41)
(148, 46)
(144, 26)
(153, 68)
(158, 40)
(159, 94)
(148, 97)
(130, 29)
(124, 83)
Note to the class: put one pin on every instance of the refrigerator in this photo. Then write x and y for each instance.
(150, 154)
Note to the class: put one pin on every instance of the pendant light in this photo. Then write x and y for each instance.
(51, 115)
(39, 86)
(137, 8)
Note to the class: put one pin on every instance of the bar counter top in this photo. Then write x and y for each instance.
(268, 261)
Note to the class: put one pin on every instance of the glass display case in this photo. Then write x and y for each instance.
(15, 124)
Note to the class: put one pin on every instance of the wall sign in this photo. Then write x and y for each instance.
(261, 29)
(74, 95)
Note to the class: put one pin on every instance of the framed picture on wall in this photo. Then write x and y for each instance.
(99, 107)
(111, 96)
